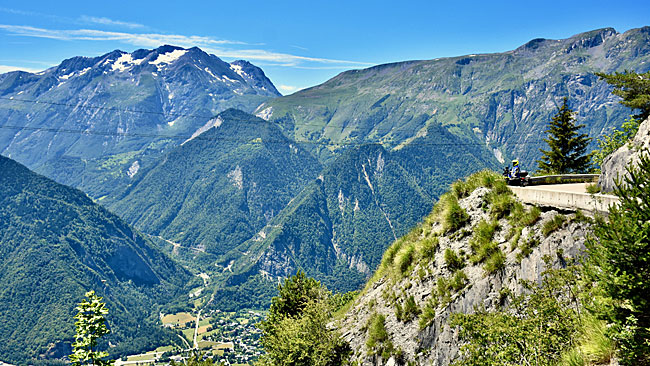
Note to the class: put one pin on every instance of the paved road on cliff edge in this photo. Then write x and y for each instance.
(567, 187)
(570, 196)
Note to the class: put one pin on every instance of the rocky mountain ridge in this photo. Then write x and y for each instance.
(504, 99)
(86, 121)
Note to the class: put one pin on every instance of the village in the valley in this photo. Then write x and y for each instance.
(231, 338)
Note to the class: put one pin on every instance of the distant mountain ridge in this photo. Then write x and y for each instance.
(56, 244)
(87, 120)
(505, 98)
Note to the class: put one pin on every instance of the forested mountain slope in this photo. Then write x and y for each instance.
(337, 228)
(219, 189)
(56, 244)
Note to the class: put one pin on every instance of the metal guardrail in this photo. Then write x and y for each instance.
(564, 178)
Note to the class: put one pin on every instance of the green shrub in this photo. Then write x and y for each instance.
(405, 258)
(495, 262)
(458, 281)
(461, 189)
(596, 347)
(409, 311)
(526, 248)
(428, 312)
(573, 357)
(483, 234)
(378, 340)
(501, 203)
(454, 217)
(484, 178)
(593, 188)
(530, 217)
(389, 256)
(442, 290)
(579, 216)
(428, 248)
(453, 260)
(553, 224)
(483, 252)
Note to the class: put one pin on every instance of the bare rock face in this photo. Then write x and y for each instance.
(614, 166)
(437, 343)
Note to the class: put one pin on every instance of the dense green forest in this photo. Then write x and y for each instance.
(55, 245)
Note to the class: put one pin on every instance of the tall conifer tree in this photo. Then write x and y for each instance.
(91, 325)
(567, 148)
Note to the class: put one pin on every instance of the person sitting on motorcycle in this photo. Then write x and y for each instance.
(515, 171)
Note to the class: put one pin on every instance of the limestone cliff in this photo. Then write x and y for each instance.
(614, 165)
(520, 235)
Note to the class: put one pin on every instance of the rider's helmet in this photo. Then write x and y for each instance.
(515, 162)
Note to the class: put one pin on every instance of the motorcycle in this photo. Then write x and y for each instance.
(522, 179)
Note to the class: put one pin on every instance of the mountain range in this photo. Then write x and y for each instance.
(220, 188)
(322, 180)
(90, 121)
(506, 99)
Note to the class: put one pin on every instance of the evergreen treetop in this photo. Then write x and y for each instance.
(567, 148)
(90, 325)
(633, 88)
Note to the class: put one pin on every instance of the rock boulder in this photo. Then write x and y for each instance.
(614, 166)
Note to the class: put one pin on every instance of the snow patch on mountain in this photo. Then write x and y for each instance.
(239, 70)
(125, 62)
(229, 79)
(265, 114)
(169, 57)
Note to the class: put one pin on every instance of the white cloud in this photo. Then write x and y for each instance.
(221, 48)
(7, 68)
(110, 22)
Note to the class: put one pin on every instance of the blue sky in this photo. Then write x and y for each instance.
(297, 43)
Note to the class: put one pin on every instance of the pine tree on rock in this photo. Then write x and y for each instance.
(567, 148)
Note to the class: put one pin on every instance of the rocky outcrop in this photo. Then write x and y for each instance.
(437, 343)
(614, 166)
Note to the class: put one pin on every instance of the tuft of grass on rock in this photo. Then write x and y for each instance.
(405, 258)
(553, 224)
(453, 260)
(427, 248)
(592, 188)
(495, 262)
(454, 217)
(378, 342)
